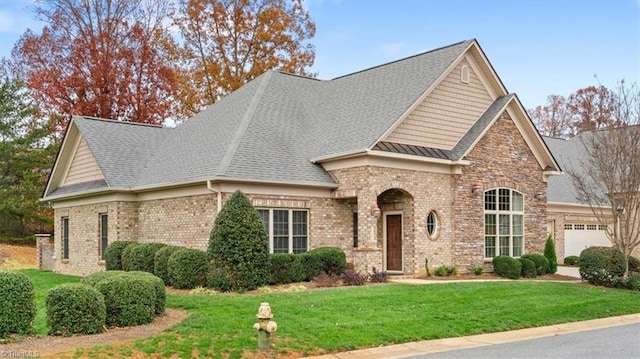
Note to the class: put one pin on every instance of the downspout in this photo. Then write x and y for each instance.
(218, 195)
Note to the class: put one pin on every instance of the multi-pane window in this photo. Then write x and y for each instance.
(287, 228)
(104, 234)
(503, 223)
(432, 224)
(65, 237)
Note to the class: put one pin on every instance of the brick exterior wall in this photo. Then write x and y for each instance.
(500, 159)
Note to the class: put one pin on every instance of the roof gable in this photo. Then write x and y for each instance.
(82, 166)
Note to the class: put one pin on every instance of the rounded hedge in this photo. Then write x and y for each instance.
(161, 263)
(140, 257)
(113, 254)
(528, 268)
(93, 278)
(541, 262)
(508, 267)
(155, 282)
(129, 299)
(188, 268)
(333, 260)
(75, 308)
(601, 265)
(287, 268)
(634, 265)
(17, 303)
(571, 260)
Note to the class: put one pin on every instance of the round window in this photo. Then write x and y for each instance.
(432, 224)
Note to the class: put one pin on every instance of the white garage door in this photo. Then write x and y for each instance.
(578, 236)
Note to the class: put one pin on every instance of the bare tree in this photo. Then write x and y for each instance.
(608, 177)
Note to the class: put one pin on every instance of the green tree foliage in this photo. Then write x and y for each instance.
(238, 247)
(26, 154)
(550, 253)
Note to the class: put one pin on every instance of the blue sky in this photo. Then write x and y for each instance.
(537, 47)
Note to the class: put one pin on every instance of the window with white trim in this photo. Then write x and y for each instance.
(432, 224)
(503, 223)
(464, 74)
(287, 228)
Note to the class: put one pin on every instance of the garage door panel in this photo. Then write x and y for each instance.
(578, 236)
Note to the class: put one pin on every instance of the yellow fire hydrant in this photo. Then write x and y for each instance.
(265, 326)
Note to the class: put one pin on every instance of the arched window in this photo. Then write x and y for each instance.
(464, 74)
(503, 222)
(432, 224)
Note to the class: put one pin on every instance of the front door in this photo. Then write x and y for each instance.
(394, 242)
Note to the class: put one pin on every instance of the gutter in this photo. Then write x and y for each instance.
(216, 190)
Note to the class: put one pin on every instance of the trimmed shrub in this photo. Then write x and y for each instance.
(161, 262)
(332, 259)
(238, 246)
(541, 262)
(287, 268)
(312, 265)
(631, 283)
(601, 265)
(93, 278)
(572, 260)
(140, 257)
(188, 268)
(550, 254)
(528, 268)
(129, 299)
(507, 267)
(17, 303)
(75, 308)
(353, 277)
(157, 284)
(113, 254)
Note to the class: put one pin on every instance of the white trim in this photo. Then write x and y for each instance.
(497, 212)
(482, 76)
(398, 161)
(464, 74)
(384, 240)
(289, 224)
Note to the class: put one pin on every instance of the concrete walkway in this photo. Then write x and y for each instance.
(442, 345)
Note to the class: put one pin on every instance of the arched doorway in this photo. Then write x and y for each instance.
(397, 210)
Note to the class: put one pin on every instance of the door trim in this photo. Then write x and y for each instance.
(384, 240)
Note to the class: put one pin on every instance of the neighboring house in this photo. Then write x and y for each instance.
(572, 222)
(425, 158)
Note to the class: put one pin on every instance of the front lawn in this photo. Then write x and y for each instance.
(220, 325)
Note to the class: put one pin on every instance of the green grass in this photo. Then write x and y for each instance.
(220, 325)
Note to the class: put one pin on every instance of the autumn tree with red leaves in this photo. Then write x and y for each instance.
(587, 109)
(102, 58)
(230, 42)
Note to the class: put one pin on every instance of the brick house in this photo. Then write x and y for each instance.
(425, 158)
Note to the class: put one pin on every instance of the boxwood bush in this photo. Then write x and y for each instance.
(571, 260)
(129, 299)
(187, 268)
(157, 284)
(113, 254)
(140, 257)
(287, 268)
(528, 268)
(332, 260)
(17, 303)
(601, 265)
(508, 267)
(541, 262)
(75, 308)
(161, 263)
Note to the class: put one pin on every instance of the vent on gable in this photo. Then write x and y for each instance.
(464, 74)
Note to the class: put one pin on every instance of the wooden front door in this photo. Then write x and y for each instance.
(394, 242)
